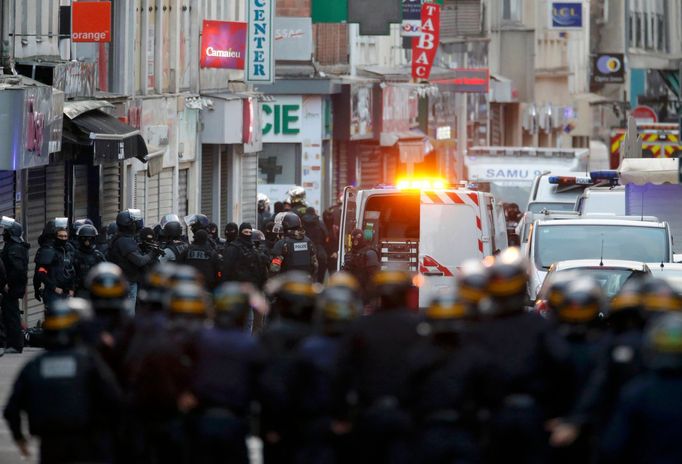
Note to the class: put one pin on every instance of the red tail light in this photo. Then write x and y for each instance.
(541, 307)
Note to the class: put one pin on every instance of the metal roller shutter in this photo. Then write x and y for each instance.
(55, 206)
(183, 200)
(249, 179)
(225, 187)
(34, 205)
(370, 165)
(207, 180)
(154, 195)
(461, 18)
(80, 191)
(110, 202)
(7, 186)
(165, 194)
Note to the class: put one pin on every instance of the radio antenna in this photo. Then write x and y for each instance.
(601, 253)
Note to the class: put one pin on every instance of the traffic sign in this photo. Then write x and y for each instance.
(644, 114)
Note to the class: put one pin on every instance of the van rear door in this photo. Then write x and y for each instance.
(348, 221)
(450, 233)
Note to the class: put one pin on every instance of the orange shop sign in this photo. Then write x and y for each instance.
(91, 21)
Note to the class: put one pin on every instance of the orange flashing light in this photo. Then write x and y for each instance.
(422, 184)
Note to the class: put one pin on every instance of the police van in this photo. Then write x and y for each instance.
(425, 227)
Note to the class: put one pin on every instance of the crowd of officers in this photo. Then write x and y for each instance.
(330, 377)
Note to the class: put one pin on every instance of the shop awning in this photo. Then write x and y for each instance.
(111, 140)
(155, 160)
(389, 139)
(650, 170)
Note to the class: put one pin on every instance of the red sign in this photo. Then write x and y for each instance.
(424, 47)
(91, 21)
(223, 45)
(643, 113)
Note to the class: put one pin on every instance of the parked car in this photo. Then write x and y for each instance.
(670, 272)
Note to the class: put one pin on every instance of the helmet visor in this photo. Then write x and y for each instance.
(61, 223)
(167, 219)
(6, 223)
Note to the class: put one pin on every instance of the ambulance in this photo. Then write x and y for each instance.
(426, 227)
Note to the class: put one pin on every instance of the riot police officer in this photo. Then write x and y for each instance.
(69, 394)
(647, 423)
(15, 263)
(293, 307)
(529, 360)
(197, 222)
(87, 256)
(295, 252)
(296, 199)
(242, 262)
(362, 261)
(449, 386)
(203, 257)
(174, 248)
(231, 233)
(271, 237)
(55, 265)
(125, 252)
(225, 378)
(213, 234)
(374, 368)
(45, 242)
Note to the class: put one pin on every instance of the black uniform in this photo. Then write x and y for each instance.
(317, 233)
(174, 251)
(86, 258)
(363, 263)
(125, 252)
(532, 371)
(373, 362)
(55, 269)
(242, 262)
(298, 255)
(202, 256)
(71, 399)
(224, 382)
(15, 265)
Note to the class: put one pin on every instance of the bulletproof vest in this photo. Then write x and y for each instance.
(179, 249)
(62, 267)
(247, 267)
(59, 397)
(200, 257)
(87, 259)
(297, 255)
(118, 250)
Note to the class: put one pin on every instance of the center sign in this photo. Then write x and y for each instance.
(260, 41)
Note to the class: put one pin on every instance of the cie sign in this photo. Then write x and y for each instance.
(282, 119)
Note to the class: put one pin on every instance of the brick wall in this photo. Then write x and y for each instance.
(331, 43)
(293, 7)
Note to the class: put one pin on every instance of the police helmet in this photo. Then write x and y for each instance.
(61, 323)
(171, 226)
(12, 228)
(291, 221)
(112, 229)
(659, 297)
(557, 288)
(78, 223)
(187, 301)
(232, 304)
(257, 236)
(336, 308)
(86, 231)
(344, 279)
(197, 221)
(185, 274)
(296, 195)
(294, 295)
(472, 282)
(583, 302)
(444, 315)
(130, 220)
(155, 286)
(392, 287)
(108, 289)
(507, 287)
(263, 202)
(663, 342)
(61, 223)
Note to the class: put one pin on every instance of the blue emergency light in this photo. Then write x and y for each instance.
(569, 180)
(611, 176)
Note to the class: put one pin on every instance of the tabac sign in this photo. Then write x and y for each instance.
(260, 44)
(425, 46)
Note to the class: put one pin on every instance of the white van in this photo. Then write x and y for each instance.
(429, 231)
(594, 238)
(602, 200)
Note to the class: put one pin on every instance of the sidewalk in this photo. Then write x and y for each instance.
(10, 365)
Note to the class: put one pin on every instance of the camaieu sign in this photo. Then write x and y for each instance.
(223, 45)
(260, 66)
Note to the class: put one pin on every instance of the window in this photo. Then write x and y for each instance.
(511, 10)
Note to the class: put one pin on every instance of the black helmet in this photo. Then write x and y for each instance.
(61, 324)
(663, 342)
(445, 315)
(291, 221)
(659, 297)
(171, 226)
(197, 222)
(232, 303)
(508, 282)
(12, 229)
(336, 308)
(343, 279)
(154, 289)
(583, 302)
(472, 284)
(147, 235)
(357, 237)
(185, 275)
(557, 286)
(112, 229)
(78, 223)
(626, 310)
(294, 295)
(187, 301)
(393, 288)
(108, 289)
(61, 223)
(86, 230)
(129, 220)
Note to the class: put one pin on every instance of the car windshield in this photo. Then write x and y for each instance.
(610, 279)
(565, 242)
(550, 206)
